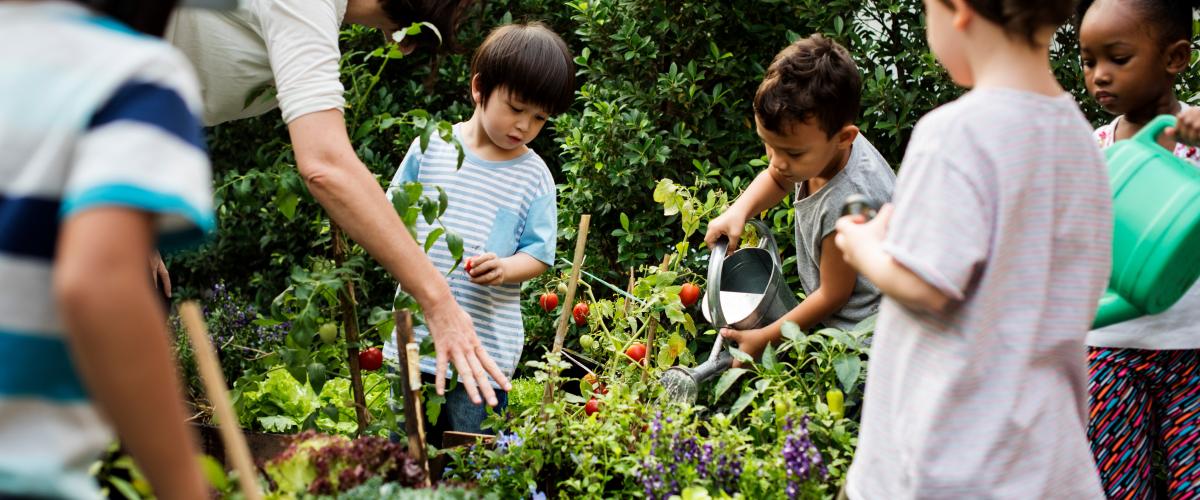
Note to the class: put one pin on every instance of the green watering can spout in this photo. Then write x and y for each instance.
(1156, 235)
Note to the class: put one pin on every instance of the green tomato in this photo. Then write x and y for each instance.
(562, 288)
(587, 342)
(328, 332)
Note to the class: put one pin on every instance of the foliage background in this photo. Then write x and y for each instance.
(665, 92)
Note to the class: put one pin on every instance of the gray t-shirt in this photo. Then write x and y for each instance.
(866, 173)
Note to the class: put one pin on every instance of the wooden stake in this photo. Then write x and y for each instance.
(410, 386)
(568, 304)
(236, 450)
(350, 322)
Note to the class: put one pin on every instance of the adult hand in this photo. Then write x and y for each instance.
(158, 270)
(751, 342)
(855, 235)
(487, 269)
(728, 224)
(455, 341)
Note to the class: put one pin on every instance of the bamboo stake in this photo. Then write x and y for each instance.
(410, 386)
(568, 304)
(214, 385)
(350, 321)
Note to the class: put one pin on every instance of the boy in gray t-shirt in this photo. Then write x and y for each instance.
(804, 112)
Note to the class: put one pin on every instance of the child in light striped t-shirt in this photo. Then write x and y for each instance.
(501, 200)
(992, 261)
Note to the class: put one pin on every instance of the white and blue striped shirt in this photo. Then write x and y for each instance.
(502, 207)
(91, 114)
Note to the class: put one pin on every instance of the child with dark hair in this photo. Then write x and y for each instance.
(104, 160)
(992, 262)
(1144, 385)
(804, 112)
(502, 199)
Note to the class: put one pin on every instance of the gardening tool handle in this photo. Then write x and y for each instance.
(1149, 134)
(715, 261)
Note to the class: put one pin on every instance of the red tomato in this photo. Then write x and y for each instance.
(689, 294)
(581, 313)
(370, 359)
(637, 352)
(548, 301)
(468, 266)
(592, 406)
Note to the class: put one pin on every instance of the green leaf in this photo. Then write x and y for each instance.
(443, 201)
(433, 237)
(740, 356)
(768, 358)
(742, 402)
(624, 222)
(285, 202)
(429, 210)
(278, 423)
(316, 376)
(214, 473)
(726, 381)
(455, 243)
(848, 368)
(792, 332)
(125, 488)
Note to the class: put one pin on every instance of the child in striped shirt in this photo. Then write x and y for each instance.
(992, 261)
(502, 199)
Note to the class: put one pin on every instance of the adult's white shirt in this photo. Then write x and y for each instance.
(287, 46)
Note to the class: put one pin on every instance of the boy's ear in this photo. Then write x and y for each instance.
(962, 14)
(1178, 56)
(846, 136)
(476, 94)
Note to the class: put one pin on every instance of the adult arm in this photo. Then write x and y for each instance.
(349, 192)
(117, 334)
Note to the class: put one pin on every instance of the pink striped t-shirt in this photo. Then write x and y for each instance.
(1003, 204)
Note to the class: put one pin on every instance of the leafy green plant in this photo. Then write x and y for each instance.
(276, 402)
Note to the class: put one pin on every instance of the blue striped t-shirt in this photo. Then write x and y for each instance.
(92, 114)
(502, 207)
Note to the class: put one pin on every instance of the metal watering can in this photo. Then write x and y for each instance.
(1156, 238)
(754, 278)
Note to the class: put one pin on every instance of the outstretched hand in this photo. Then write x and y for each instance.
(455, 341)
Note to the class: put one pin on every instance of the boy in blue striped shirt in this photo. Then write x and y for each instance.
(502, 199)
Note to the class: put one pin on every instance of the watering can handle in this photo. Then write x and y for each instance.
(765, 240)
(1149, 134)
(715, 262)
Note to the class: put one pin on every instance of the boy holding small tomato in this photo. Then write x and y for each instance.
(501, 200)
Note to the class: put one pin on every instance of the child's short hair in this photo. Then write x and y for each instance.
(1023, 18)
(1171, 19)
(813, 77)
(443, 14)
(529, 60)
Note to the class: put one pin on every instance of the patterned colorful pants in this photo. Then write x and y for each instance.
(1144, 400)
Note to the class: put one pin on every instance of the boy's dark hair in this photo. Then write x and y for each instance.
(529, 60)
(147, 16)
(813, 77)
(1172, 19)
(444, 14)
(1023, 18)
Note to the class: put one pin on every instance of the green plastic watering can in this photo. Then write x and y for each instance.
(1156, 238)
